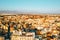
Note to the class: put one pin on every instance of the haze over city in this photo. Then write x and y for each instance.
(42, 6)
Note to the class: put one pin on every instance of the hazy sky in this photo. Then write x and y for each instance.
(43, 6)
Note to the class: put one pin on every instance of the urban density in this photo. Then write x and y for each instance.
(29, 27)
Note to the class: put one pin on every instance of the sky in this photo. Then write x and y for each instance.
(42, 6)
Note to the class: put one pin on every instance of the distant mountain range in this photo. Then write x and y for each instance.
(20, 12)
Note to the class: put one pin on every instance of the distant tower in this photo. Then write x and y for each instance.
(8, 31)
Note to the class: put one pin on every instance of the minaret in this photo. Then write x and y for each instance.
(8, 31)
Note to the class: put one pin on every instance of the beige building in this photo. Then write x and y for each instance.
(22, 38)
(27, 36)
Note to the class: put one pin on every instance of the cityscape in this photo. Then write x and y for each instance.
(29, 27)
(29, 19)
